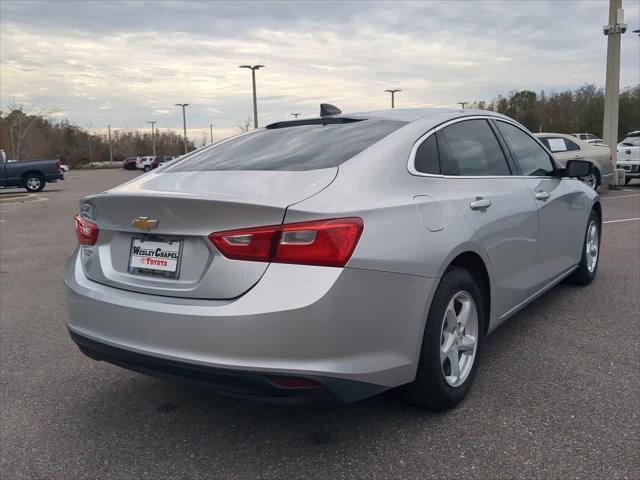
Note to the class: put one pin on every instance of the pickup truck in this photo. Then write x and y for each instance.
(32, 175)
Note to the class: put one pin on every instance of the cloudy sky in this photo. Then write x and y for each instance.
(124, 63)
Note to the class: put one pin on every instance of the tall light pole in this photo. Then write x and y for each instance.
(393, 96)
(153, 137)
(253, 69)
(184, 123)
(614, 30)
(295, 115)
(110, 149)
(462, 104)
(211, 131)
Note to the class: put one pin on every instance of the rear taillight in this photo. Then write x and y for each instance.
(154, 163)
(58, 166)
(86, 231)
(323, 242)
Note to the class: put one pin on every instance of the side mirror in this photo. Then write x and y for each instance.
(578, 168)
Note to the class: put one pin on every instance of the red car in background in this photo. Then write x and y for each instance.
(129, 163)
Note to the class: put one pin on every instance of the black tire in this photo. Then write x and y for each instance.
(34, 182)
(627, 180)
(430, 389)
(146, 168)
(583, 275)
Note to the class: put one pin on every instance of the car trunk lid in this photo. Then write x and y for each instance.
(182, 209)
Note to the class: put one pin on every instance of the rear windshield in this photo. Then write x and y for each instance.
(306, 147)
(635, 141)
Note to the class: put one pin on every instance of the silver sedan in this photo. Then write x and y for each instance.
(331, 258)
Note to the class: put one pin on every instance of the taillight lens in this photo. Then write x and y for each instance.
(324, 242)
(86, 231)
(58, 166)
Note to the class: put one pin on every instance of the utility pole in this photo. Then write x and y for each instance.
(184, 124)
(462, 104)
(613, 30)
(110, 149)
(393, 96)
(253, 69)
(211, 130)
(153, 137)
(295, 115)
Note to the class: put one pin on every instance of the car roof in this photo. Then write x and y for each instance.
(409, 115)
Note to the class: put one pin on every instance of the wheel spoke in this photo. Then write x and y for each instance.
(455, 363)
(467, 344)
(451, 317)
(465, 312)
(448, 344)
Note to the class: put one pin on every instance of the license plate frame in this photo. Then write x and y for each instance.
(159, 271)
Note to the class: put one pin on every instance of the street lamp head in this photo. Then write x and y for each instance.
(182, 104)
(252, 67)
(393, 90)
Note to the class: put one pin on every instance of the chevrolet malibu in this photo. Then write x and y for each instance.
(331, 258)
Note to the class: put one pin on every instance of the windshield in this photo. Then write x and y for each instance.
(296, 147)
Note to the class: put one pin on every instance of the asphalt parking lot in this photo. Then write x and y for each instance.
(557, 393)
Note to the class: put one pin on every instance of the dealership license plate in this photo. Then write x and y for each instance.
(154, 257)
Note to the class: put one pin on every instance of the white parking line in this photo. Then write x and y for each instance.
(621, 196)
(623, 220)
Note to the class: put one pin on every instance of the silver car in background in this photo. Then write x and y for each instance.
(331, 258)
(567, 147)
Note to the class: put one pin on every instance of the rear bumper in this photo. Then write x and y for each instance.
(236, 383)
(631, 169)
(356, 332)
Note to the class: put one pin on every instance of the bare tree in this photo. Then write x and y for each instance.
(244, 125)
(21, 120)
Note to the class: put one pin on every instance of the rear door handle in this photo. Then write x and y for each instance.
(480, 203)
(542, 195)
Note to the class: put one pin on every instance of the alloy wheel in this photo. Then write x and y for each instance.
(592, 246)
(459, 339)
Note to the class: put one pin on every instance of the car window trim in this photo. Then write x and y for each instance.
(515, 173)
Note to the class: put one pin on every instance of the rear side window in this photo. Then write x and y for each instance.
(299, 147)
(559, 144)
(470, 148)
(531, 158)
(426, 159)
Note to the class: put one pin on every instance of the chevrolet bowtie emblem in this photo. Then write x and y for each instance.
(145, 223)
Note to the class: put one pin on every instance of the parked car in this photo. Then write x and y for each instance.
(151, 162)
(130, 163)
(586, 136)
(146, 163)
(359, 253)
(567, 147)
(32, 175)
(628, 155)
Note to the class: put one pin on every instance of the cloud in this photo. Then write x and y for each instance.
(125, 63)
